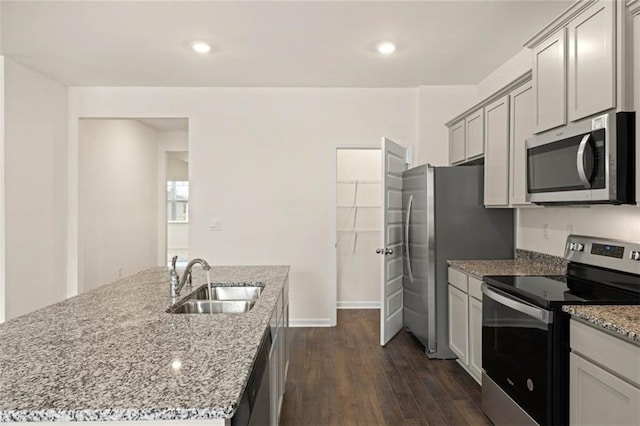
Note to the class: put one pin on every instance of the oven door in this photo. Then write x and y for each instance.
(517, 340)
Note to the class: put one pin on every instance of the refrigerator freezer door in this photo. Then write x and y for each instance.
(419, 278)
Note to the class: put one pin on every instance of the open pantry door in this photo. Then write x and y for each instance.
(393, 164)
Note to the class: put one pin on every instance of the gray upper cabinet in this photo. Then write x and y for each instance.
(497, 129)
(466, 138)
(581, 64)
(521, 126)
(549, 82)
(592, 61)
(496, 160)
(457, 145)
(475, 134)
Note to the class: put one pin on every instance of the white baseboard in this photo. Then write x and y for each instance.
(318, 322)
(358, 305)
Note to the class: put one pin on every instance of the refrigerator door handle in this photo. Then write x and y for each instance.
(406, 239)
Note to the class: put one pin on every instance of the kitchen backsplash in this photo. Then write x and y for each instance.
(555, 263)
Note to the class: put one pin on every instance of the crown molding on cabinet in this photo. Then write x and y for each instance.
(634, 7)
(558, 23)
(497, 95)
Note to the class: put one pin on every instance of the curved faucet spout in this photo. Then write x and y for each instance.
(177, 287)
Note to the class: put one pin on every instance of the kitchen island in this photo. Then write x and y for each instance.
(116, 354)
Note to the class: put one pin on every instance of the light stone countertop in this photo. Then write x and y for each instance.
(112, 353)
(619, 319)
(481, 268)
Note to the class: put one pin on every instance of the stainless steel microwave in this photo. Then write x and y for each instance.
(591, 161)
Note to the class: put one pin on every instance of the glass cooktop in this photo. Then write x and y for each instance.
(554, 291)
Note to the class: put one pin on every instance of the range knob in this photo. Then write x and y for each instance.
(580, 247)
(572, 246)
(634, 255)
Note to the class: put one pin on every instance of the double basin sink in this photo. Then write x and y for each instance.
(217, 299)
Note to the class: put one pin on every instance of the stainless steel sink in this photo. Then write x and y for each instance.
(228, 293)
(213, 307)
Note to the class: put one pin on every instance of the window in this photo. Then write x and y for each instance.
(177, 201)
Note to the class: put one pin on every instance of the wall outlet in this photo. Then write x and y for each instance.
(545, 231)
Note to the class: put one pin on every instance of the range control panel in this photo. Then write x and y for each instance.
(606, 253)
(607, 250)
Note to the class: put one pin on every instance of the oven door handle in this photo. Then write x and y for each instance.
(524, 308)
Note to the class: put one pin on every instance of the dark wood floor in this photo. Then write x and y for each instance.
(342, 376)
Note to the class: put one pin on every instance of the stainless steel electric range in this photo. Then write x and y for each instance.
(525, 334)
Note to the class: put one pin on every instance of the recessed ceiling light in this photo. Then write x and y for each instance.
(200, 47)
(386, 48)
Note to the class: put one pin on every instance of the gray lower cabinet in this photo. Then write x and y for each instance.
(465, 321)
(604, 378)
(279, 355)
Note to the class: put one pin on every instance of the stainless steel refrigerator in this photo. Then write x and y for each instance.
(445, 218)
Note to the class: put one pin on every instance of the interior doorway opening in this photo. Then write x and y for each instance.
(123, 170)
(177, 219)
(358, 227)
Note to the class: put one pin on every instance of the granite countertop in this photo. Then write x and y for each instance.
(621, 320)
(116, 354)
(518, 266)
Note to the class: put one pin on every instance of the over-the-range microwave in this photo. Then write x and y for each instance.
(591, 161)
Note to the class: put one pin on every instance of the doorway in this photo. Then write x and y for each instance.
(358, 227)
(177, 218)
(122, 194)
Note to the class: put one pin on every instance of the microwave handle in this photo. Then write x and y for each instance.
(524, 308)
(582, 174)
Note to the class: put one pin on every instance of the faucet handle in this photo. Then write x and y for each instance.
(174, 259)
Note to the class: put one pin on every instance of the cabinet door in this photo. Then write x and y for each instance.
(496, 159)
(549, 83)
(521, 123)
(274, 394)
(474, 124)
(281, 361)
(597, 397)
(457, 142)
(287, 344)
(459, 323)
(475, 338)
(591, 83)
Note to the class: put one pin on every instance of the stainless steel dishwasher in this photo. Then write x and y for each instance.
(254, 407)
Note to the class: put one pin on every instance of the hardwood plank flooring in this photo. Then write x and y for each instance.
(342, 376)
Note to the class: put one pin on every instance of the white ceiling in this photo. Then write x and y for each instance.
(270, 43)
(166, 124)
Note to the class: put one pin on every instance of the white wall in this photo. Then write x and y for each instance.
(504, 74)
(2, 184)
(35, 109)
(117, 200)
(436, 106)
(177, 170)
(261, 160)
(619, 222)
(359, 230)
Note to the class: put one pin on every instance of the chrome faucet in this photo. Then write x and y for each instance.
(176, 284)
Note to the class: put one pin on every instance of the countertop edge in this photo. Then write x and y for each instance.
(598, 322)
